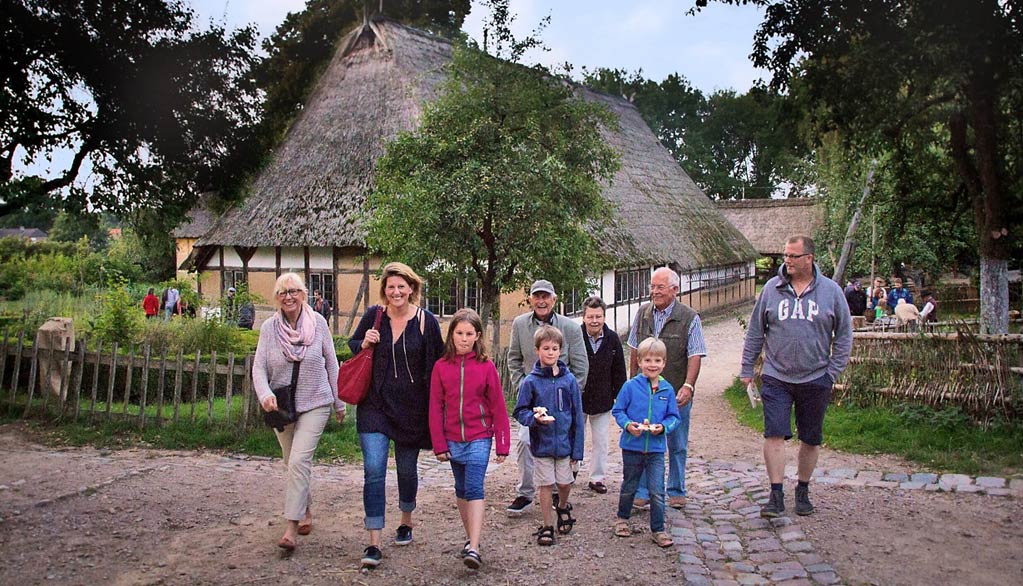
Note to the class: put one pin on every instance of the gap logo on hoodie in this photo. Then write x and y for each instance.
(787, 309)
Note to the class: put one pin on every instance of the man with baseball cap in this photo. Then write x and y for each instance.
(522, 357)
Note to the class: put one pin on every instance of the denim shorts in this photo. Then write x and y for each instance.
(469, 465)
(811, 401)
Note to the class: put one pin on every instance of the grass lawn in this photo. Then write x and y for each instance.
(942, 440)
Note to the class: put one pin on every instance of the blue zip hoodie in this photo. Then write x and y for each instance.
(636, 402)
(561, 396)
(803, 337)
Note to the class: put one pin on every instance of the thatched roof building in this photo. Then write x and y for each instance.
(310, 192)
(767, 223)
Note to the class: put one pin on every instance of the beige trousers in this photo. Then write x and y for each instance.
(298, 443)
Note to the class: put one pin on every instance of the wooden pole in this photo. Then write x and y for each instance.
(95, 378)
(212, 386)
(127, 381)
(16, 374)
(177, 383)
(145, 388)
(113, 379)
(160, 384)
(230, 388)
(65, 378)
(873, 245)
(247, 391)
(33, 369)
(49, 377)
(3, 358)
(195, 385)
(79, 376)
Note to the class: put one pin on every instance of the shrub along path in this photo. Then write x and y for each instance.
(77, 516)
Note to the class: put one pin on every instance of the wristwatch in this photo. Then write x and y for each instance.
(691, 388)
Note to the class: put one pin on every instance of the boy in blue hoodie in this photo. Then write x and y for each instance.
(551, 406)
(645, 409)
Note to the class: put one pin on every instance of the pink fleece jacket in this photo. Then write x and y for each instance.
(467, 403)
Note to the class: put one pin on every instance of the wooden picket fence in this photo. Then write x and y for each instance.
(104, 384)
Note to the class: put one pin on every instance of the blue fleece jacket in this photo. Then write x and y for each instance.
(638, 401)
(561, 396)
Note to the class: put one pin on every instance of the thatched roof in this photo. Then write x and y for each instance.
(310, 193)
(767, 223)
(198, 220)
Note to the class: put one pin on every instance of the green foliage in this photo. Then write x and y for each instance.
(210, 334)
(941, 439)
(500, 183)
(119, 319)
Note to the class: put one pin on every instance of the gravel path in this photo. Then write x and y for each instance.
(87, 516)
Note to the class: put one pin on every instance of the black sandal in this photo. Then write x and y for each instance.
(565, 519)
(545, 536)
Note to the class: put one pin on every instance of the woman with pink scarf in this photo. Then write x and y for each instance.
(297, 336)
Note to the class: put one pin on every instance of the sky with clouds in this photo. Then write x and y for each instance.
(710, 49)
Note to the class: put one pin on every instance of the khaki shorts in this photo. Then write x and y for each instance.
(548, 471)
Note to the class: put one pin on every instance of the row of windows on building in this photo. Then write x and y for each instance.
(629, 286)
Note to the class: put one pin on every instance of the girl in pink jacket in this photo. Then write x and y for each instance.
(467, 414)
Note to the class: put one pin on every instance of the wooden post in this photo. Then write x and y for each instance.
(230, 388)
(16, 374)
(160, 384)
(65, 379)
(95, 378)
(145, 388)
(3, 358)
(247, 392)
(113, 379)
(33, 369)
(177, 384)
(80, 375)
(195, 384)
(212, 386)
(127, 381)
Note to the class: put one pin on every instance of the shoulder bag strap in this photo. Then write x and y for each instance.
(294, 373)
(376, 320)
(422, 322)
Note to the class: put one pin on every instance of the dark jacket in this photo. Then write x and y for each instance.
(857, 300)
(398, 401)
(560, 395)
(606, 374)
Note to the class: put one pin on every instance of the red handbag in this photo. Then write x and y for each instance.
(356, 374)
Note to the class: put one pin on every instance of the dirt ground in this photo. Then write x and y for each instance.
(88, 516)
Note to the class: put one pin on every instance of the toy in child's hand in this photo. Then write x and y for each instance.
(540, 413)
(645, 426)
(656, 428)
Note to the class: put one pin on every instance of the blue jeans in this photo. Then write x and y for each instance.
(374, 469)
(651, 467)
(678, 449)
(469, 465)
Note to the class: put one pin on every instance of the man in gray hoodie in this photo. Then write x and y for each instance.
(802, 323)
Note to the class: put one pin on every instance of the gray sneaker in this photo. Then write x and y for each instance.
(775, 505)
(803, 505)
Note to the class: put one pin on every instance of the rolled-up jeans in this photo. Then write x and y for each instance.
(649, 467)
(374, 468)
(678, 449)
(298, 444)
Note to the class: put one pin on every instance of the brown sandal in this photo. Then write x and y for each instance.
(621, 528)
(662, 539)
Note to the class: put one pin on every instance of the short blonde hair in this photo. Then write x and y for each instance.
(400, 269)
(289, 281)
(653, 347)
(547, 333)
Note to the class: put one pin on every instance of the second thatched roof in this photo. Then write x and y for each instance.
(313, 188)
(768, 223)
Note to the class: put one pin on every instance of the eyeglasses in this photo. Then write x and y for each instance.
(795, 256)
(291, 292)
(659, 287)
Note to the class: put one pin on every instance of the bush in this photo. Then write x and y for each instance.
(118, 319)
(208, 335)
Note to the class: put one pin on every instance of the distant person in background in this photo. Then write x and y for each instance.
(170, 304)
(321, 305)
(230, 310)
(185, 309)
(898, 292)
(930, 311)
(246, 315)
(151, 304)
(876, 293)
(856, 298)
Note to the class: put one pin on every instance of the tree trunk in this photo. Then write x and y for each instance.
(490, 311)
(847, 248)
(994, 295)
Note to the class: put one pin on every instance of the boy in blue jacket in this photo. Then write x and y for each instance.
(551, 406)
(645, 410)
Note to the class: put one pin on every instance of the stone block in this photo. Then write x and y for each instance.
(925, 477)
(968, 488)
(912, 485)
(53, 335)
(826, 578)
(798, 546)
(990, 482)
(869, 475)
(998, 491)
(895, 477)
(842, 473)
(954, 479)
(752, 580)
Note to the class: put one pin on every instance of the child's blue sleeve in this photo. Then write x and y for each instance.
(524, 405)
(672, 418)
(578, 430)
(618, 411)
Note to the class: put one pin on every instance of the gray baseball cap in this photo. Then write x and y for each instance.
(542, 285)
